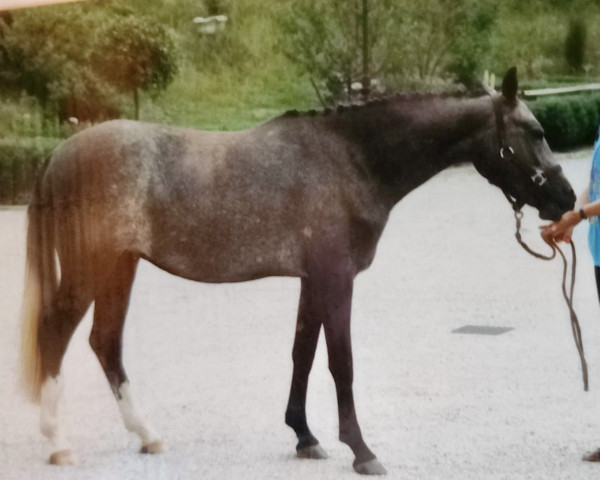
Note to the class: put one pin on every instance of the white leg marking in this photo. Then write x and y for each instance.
(51, 425)
(132, 416)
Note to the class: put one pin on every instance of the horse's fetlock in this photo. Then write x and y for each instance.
(352, 439)
(344, 437)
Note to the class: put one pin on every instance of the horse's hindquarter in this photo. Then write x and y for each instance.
(97, 184)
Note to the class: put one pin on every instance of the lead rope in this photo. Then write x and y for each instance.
(568, 296)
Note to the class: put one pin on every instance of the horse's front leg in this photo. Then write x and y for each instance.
(308, 327)
(333, 300)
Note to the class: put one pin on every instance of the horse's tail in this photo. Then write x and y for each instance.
(40, 285)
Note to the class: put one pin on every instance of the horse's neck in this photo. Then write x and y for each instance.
(409, 141)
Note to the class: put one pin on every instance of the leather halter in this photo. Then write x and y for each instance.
(537, 175)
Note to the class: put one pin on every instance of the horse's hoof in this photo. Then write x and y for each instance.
(370, 467)
(592, 457)
(315, 452)
(153, 447)
(62, 458)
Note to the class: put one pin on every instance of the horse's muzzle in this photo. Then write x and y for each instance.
(554, 210)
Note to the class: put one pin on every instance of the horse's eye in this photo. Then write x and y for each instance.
(538, 134)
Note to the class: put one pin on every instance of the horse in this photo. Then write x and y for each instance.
(303, 195)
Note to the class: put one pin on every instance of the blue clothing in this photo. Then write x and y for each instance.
(594, 194)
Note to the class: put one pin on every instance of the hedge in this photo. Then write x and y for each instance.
(20, 160)
(569, 121)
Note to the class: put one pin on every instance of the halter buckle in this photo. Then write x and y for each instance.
(539, 178)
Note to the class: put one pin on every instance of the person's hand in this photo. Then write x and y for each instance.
(565, 236)
(561, 231)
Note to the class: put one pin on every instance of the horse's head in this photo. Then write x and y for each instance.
(518, 159)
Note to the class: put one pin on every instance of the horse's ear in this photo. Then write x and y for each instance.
(510, 85)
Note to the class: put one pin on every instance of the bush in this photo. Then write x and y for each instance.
(569, 121)
(20, 161)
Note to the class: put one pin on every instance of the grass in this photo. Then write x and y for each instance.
(230, 82)
(230, 100)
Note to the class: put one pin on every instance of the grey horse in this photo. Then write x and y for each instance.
(303, 195)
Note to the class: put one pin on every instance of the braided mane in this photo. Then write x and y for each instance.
(397, 97)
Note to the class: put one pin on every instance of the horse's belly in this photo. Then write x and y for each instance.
(229, 261)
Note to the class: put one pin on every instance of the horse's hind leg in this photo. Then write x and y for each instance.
(307, 335)
(110, 309)
(69, 304)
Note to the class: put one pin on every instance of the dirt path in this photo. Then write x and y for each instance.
(212, 364)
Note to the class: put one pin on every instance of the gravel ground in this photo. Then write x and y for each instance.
(212, 364)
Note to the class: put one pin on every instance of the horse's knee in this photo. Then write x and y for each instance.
(342, 373)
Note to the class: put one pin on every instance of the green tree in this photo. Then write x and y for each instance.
(471, 43)
(135, 54)
(75, 59)
(575, 44)
(45, 53)
(321, 38)
(440, 40)
(406, 43)
(337, 42)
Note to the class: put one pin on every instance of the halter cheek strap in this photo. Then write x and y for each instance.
(537, 175)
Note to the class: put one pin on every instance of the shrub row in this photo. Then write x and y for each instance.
(569, 121)
(20, 160)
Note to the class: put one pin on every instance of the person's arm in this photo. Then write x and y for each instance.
(583, 199)
(590, 209)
